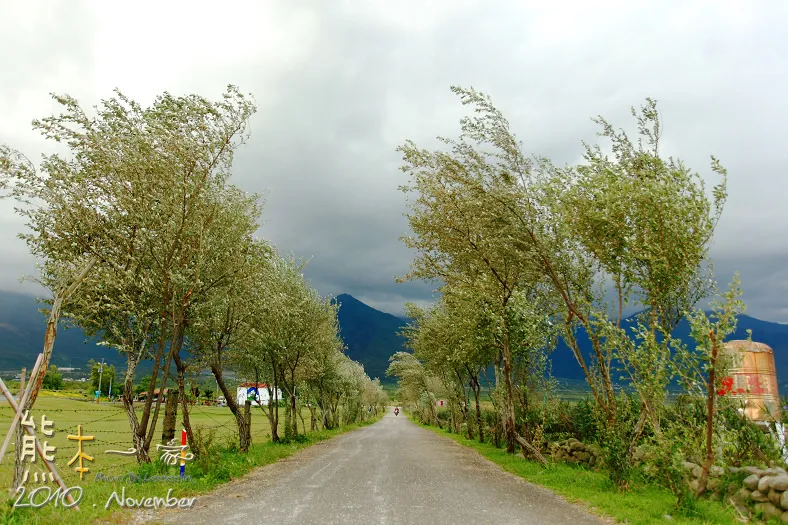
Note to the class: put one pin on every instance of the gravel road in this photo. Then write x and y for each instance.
(391, 472)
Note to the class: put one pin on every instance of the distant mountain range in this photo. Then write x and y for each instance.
(773, 334)
(371, 337)
(22, 338)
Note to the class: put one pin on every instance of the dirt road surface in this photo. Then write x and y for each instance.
(392, 472)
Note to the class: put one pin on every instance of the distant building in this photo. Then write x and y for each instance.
(257, 393)
(142, 396)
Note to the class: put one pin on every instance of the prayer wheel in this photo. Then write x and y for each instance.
(755, 380)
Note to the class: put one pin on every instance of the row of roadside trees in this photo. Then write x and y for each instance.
(526, 251)
(145, 243)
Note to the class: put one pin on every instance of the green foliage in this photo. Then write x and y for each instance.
(585, 424)
(617, 439)
(443, 416)
(204, 442)
(662, 463)
(572, 419)
(531, 248)
(8, 516)
(154, 468)
(53, 380)
(743, 442)
(143, 385)
(105, 373)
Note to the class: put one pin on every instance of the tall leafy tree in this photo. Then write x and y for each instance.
(648, 224)
(101, 376)
(223, 319)
(459, 232)
(53, 380)
(135, 197)
(485, 212)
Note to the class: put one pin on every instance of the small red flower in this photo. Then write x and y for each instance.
(741, 391)
(721, 392)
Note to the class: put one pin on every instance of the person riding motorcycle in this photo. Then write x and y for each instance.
(396, 411)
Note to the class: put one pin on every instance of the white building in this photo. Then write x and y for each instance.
(258, 393)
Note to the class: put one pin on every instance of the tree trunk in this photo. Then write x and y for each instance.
(268, 412)
(49, 344)
(170, 416)
(303, 424)
(187, 424)
(476, 387)
(639, 427)
(273, 414)
(293, 419)
(274, 411)
(240, 420)
(59, 298)
(468, 420)
(176, 343)
(128, 405)
(244, 429)
(275, 418)
(142, 425)
(709, 419)
(510, 432)
(18, 465)
(530, 450)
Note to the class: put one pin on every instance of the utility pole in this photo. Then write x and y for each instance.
(109, 395)
(22, 383)
(101, 371)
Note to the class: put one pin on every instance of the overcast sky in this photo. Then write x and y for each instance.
(340, 84)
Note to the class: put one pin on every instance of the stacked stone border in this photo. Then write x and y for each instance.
(753, 491)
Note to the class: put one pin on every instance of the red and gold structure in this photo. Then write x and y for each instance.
(754, 373)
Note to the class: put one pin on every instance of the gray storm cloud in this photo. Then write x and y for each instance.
(340, 85)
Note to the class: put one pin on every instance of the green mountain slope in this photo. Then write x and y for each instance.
(370, 335)
(22, 329)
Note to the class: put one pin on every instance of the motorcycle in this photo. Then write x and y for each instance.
(396, 411)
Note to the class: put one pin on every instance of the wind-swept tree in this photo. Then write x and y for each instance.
(417, 387)
(136, 198)
(637, 221)
(222, 321)
(293, 328)
(648, 224)
(461, 237)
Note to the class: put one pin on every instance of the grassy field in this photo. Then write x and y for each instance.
(642, 504)
(109, 425)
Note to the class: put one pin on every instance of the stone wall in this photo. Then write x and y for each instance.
(764, 491)
(752, 490)
(573, 451)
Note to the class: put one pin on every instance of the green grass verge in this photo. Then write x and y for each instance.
(643, 504)
(220, 468)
